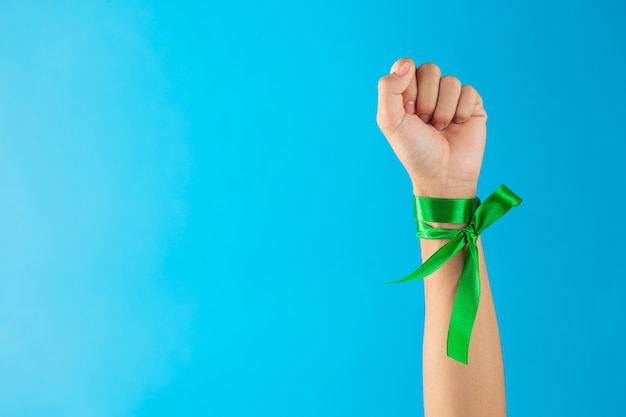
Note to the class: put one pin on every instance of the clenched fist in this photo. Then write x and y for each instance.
(436, 127)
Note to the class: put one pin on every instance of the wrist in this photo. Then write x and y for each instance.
(445, 192)
(442, 188)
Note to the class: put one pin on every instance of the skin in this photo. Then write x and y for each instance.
(437, 128)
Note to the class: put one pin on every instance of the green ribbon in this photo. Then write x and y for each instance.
(479, 216)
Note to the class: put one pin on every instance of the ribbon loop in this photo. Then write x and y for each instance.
(468, 292)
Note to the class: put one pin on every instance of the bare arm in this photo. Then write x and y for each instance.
(437, 128)
(450, 387)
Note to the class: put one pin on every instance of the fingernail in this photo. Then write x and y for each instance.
(439, 125)
(409, 107)
(404, 68)
(425, 117)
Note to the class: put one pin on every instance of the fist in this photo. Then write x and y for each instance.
(436, 126)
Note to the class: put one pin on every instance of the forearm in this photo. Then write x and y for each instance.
(452, 388)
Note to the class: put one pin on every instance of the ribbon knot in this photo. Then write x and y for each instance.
(468, 291)
(469, 233)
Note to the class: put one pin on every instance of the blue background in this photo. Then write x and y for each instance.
(198, 212)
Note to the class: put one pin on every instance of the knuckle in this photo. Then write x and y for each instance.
(450, 80)
(429, 68)
(383, 82)
(469, 89)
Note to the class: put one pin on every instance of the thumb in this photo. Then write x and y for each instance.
(390, 104)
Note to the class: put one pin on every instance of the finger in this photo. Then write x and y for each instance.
(470, 104)
(409, 95)
(449, 93)
(428, 75)
(390, 101)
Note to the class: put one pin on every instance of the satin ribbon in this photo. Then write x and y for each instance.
(479, 216)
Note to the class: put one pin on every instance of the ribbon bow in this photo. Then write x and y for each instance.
(467, 296)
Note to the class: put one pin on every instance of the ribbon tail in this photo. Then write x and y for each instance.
(435, 261)
(465, 307)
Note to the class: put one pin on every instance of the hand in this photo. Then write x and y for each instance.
(435, 126)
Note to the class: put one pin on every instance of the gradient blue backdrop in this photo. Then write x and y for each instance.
(198, 212)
